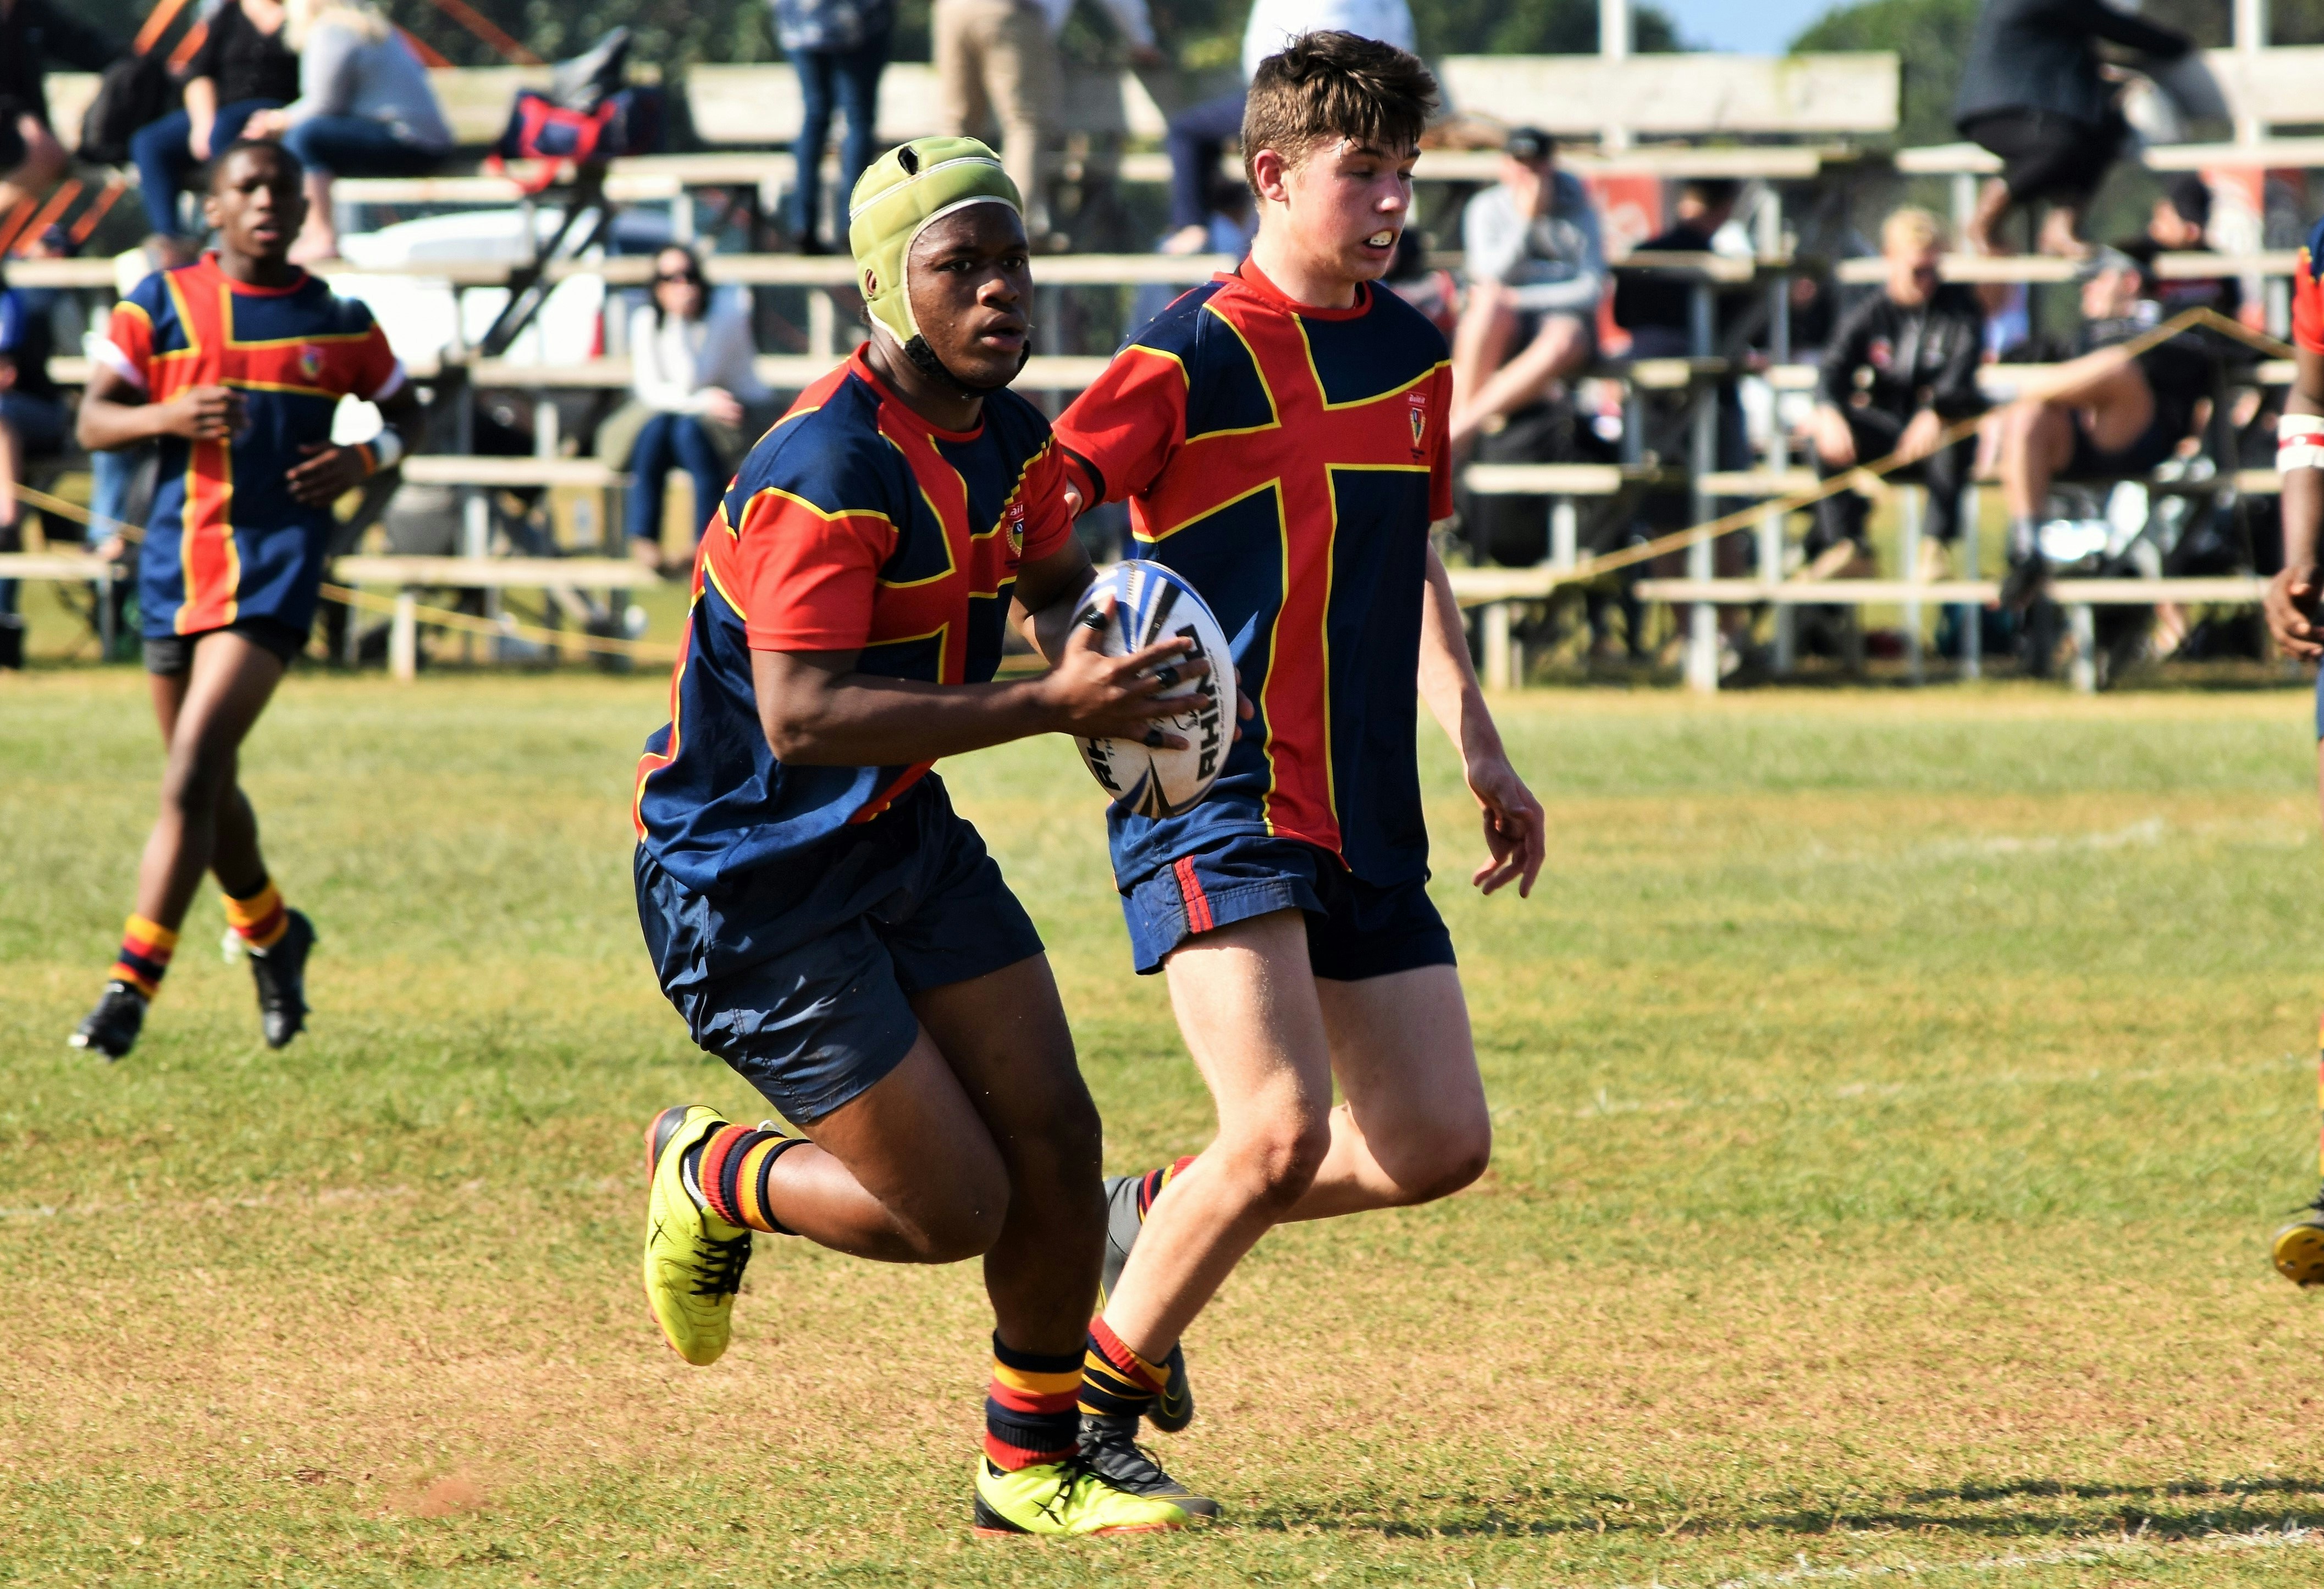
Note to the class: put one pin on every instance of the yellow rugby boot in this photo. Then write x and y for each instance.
(2299, 1248)
(1064, 1499)
(693, 1260)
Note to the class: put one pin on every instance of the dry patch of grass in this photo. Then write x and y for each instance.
(1893, 1095)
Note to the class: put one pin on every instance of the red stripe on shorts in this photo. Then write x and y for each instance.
(1190, 890)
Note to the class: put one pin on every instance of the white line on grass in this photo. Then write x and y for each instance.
(2094, 1550)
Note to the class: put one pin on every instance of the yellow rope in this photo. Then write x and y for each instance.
(1744, 518)
(445, 618)
(442, 617)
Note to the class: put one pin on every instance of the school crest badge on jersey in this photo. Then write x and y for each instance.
(1014, 519)
(1416, 410)
(311, 362)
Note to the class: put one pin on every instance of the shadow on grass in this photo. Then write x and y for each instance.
(2228, 1514)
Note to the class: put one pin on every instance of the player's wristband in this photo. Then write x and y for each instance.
(2299, 442)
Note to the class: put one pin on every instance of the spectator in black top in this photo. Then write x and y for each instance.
(1657, 310)
(2180, 224)
(244, 66)
(2032, 94)
(2107, 414)
(1901, 366)
(32, 35)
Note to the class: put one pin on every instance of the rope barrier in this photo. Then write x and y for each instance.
(441, 617)
(1808, 497)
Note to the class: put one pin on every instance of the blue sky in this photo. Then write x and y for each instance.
(1754, 27)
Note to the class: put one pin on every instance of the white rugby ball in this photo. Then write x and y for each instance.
(1152, 604)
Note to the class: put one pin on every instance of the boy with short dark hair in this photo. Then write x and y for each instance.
(1280, 435)
(236, 364)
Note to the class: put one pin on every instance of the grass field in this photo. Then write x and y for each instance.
(1894, 1095)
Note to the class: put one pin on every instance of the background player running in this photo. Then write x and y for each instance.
(236, 363)
(1280, 434)
(814, 909)
(2294, 605)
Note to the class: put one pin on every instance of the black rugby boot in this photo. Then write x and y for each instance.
(111, 1028)
(1108, 1448)
(281, 973)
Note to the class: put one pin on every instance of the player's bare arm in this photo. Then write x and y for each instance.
(116, 414)
(328, 471)
(817, 709)
(1514, 836)
(2293, 599)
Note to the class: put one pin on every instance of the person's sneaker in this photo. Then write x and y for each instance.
(281, 973)
(112, 1028)
(1174, 1408)
(693, 1260)
(1064, 1499)
(1110, 1449)
(2298, 1248)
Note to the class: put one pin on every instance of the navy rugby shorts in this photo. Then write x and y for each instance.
(1355, 929)
(801, 975)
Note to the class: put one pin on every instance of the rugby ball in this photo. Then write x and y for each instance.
(1152, 604)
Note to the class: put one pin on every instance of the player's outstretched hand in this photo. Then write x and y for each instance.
(2292, 604)
(205, 413)
(1096, 696)
(327, 474)
(1515, 829)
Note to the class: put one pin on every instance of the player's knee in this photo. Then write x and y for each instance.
(1453, 1155)
(964, 1227)
(197, 778)
(1276, 1163)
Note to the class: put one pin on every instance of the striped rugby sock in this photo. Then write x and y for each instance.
(258, 919)
(1150, 1184)
(1116, 1382)
(1031, 1412)
(146, 947)
(732, 1168)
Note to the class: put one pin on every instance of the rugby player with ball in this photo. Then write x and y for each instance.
(1280, 435)
(816, 910)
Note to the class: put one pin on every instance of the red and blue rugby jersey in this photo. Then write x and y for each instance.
(1288, 461)
(2308, 294)
(226, 539)
(855, 525)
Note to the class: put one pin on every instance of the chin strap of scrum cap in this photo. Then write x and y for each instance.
(924, 359)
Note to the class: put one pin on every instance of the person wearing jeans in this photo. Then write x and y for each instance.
(690, 363)
(839, 48)
(365, 109)
(243, 67)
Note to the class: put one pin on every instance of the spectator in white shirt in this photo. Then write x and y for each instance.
(997, 61)
(690, 375)
(1198, 132)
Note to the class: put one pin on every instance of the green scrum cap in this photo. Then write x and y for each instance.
(898, 196)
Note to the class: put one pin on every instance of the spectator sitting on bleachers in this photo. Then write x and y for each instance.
(244, 66)
(1196, 135)
(1901, 365)
(2182, 224)
(2031, 92)
(32, 416)
(1657, 310)
(2107, 414)
(33, 34)
(365, 109)
(1536, 268)
(839, 48)
(690, 375)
